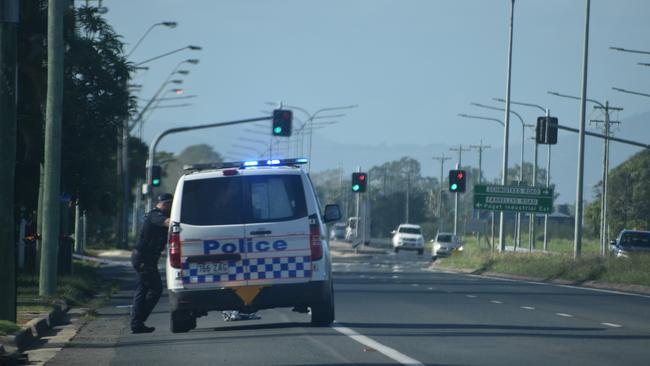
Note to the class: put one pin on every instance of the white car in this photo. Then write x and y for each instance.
(408, 237)
(445, 245)
(245, 237)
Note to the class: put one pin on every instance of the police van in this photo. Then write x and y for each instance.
(248, 236)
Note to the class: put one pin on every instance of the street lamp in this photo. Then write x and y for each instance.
(171, 25)
(547, 112)
(631, 92)
(621, 49)
(190, 47)
(521, 168)
(310, 120)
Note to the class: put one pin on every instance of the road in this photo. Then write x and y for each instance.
(391, 309)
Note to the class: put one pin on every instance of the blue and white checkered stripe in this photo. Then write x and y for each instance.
(253, 269)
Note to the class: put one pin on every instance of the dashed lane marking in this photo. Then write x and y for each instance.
(496, 302)
(471, 296)
(612, 325)
(527, 307)
(391, 353)
(564, 315)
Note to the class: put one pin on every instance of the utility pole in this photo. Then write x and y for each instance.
(52, 153)
(459, 165)
(480, 147)
(442, 158)
(8, 34)
(605, 180)
(577, 237)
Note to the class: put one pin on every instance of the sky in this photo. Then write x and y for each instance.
(410, 66)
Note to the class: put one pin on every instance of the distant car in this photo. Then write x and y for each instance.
(445, 245)
(408, 237)
(630, 242)
(337, 232)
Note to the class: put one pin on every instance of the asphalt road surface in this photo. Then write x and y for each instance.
(392, 310)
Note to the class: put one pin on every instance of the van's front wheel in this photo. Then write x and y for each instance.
(181, 321)
(322, 313)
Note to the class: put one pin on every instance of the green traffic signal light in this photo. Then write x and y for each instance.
(355, 187)
(155, 182)
(277, 130)
(454, 186)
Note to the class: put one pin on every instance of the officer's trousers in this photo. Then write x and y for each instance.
(148, 289)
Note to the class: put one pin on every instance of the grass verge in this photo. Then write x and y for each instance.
(7, 327)
(79, 289)
(623, 271)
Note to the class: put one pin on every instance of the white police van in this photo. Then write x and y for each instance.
(248, 236)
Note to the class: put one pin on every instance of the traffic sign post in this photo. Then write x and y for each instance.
(513, 198)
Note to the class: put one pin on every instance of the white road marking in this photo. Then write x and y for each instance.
(564, 315)
(612, 325)
(554, 284)
(391, 353)
(471, 296)
(395, 276)
(527, 307)
(496, 302)
(429, 288)
(415, 284)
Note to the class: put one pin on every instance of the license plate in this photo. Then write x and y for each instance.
(212, 268)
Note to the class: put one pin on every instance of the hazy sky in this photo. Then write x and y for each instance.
(411, 66)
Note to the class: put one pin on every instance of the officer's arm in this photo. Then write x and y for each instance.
(160, 220)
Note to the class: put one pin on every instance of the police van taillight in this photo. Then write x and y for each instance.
(175, 247)
(315, 240)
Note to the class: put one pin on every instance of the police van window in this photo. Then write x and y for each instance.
(214, 201)
(276, 198)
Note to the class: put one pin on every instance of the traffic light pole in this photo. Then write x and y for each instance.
(442, 159)
(156, 140)
(460, 150)
(548, 184)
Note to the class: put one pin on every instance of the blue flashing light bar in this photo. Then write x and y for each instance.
(246, 164)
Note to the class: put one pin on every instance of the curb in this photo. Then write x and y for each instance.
(32, 331)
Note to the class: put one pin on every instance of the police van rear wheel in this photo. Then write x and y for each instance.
(182, 321)
(322, 313)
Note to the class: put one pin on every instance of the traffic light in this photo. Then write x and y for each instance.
(156, 173)
(546, 130)
(457, 179)
(282, 122)
(359, 182)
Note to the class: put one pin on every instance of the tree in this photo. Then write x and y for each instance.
(627, 197)
(173, 165)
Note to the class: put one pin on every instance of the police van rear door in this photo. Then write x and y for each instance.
(277, 229)
(212, 232)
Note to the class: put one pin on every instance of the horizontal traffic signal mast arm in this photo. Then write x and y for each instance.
(611, 138)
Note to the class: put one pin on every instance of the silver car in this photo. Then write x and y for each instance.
(445, 245)
(630, 242)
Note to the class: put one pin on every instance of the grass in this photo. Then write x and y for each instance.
(78, 289)
(7, 327)
(557, 266)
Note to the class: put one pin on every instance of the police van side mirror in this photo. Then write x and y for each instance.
(332, 213)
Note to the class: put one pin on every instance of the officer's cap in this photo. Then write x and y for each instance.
(165, 197)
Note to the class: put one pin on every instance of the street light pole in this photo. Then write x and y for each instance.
(577, 243)
(521, 167)
(506, 129)
(480, 147)
(547, 113)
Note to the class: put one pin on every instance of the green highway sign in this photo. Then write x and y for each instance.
(513, 198)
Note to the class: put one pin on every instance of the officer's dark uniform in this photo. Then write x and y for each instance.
(144, 258)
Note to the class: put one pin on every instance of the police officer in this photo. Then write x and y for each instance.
(145, 255)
